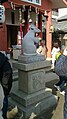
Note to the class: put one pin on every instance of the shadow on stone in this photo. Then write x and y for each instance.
(51, 85)
(47, 114)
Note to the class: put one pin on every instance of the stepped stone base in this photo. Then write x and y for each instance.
(36, 102)
(30, 92)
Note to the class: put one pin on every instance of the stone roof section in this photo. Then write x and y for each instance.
(60, 24)
(59, 4)
(62, 18)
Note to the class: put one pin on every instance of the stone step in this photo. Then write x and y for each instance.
(15, 78)
(37, 108)
(15, 75)
(15, 72)
(27, 100)
(50, 76)
(51, 79)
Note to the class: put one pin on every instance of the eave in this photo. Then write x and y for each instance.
(59, 4)
(54, 4)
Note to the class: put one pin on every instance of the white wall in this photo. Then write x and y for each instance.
(62, 12)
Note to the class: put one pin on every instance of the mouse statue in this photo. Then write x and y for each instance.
(28, 46)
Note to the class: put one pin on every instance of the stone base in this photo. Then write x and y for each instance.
(36, 102)
(31, 59)
(30, 93)
(31, 72)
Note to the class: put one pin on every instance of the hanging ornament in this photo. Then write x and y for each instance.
(20, 20)
(45, 13)
(30, 9)
(23, 8)
(23, 21)
(28, 15)
(12, 5)
(21, 30)
(20, 15)
(36, 23)
(51, 29)
(37, 19)
(30, 20)
(36, 10)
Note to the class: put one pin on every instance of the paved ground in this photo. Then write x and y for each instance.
(55, 112)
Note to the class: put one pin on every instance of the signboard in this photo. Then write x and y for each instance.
(37, 2)
(2, 14)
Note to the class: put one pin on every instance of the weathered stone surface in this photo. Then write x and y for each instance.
(30, 92)
(28, 99)
(35, 102)
(31, 81)
(30, 59)
(32, 66)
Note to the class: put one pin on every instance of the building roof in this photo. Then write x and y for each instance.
(60, 26)
(62, 23)
(62, 18)
(55, 3)
(59, 4)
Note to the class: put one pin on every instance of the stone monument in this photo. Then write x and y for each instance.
(30, 93)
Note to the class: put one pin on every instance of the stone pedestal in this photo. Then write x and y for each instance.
(30, 93)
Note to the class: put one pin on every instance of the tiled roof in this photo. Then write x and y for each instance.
(62, 26)
(58, 4)
(63, 17)
(61, 23)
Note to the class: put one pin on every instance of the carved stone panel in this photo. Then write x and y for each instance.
(36, 80)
